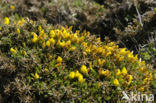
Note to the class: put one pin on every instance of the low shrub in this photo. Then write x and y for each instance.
(54, 64)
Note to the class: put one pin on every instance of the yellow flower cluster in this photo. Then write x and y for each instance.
(93, 61)
(63, 38)
(104, 72)
(106, 59)
(21, 22)
(123, 75)
(78, 75)
(59, 37)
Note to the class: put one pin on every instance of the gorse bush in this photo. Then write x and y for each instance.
(54, 64)
(129, 22)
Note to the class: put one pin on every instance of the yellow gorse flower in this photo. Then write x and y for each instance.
(18, 31)
(104, 72)
(59, 59)
(130, 77)
(81, 79)
(36, 76)
(12, 50)
(116, 82)
(71, 75)
(6, 20)
(68, 43)
(118, 72)
(52, 34)
(84, 69)
(62, 44)
(77, 74)
(123, 51)
(35, 37)
(65, 35)
(124, 71)
(48, 43)
(52, 41)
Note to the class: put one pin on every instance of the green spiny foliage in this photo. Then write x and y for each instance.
(47, 63)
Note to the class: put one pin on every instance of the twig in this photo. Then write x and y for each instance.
(139, 16)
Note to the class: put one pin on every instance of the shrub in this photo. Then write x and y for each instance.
(55, 64)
